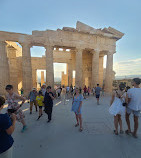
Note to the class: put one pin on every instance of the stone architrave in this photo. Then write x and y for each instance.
(69, 74)
(49, 66)
(42, 78)
(109, 73)
(11, 51)
(4, 68)
(95, 68)
(78, 65)
(26, 68)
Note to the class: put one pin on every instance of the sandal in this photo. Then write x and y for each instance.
(116, 133)
(128, 132)
(121, 132)
(77, 125)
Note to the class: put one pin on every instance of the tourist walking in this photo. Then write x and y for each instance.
(32, 96)
(85, 90)
(14, 107)
(71, 90)
(59, 92)
(63, 95)
(7, 127)
(93, 91)
(22, 92)
(48, 102)
(43, 89)
(97, 93)
(40, 103)
(134, 106)
(67, 91)
(117, 109)
(77, 107)
(89, 90)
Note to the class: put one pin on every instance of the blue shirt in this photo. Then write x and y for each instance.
(32, 96)
(97, 90)
(6, 141)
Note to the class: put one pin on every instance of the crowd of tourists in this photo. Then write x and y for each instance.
(124, 101)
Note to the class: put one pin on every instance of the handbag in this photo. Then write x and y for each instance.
(123, 104)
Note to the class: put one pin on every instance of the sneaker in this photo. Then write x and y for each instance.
(23, 129)
(30, 112)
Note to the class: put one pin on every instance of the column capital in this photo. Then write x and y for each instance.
(79, 49)
(26, 44)
(49, 46)
(110, 52)
(3, 42)
(95, 51)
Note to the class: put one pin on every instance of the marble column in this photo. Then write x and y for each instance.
(13, 70)
(109, 73)
(42, 78)
(95, 68)
(4, 68)
(70, 74)
(49, 66)
(26, 68)
(78, 65)
(101, 70)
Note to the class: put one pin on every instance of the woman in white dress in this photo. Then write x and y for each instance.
(117, 109)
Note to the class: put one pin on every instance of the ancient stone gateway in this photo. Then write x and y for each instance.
(87, 47)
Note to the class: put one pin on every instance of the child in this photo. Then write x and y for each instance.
(39, 100)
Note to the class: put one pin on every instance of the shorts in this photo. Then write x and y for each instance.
(136, 113)
(40, 107)
(97, 95)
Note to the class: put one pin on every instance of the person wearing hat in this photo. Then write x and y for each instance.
(32, 96)
(48, 102)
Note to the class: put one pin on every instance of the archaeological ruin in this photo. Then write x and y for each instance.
(83, 49)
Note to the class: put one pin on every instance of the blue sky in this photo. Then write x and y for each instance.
(123, 15)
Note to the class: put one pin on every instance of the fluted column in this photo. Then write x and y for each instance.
(4, 68)
(70, 74)
(26, 68)
(79, 66)
(95, 68)
(101, 71)
(49, 66)
(109, 72)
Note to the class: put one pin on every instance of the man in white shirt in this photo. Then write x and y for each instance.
(134, 105)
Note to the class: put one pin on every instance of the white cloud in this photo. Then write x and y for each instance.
(128, 67)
